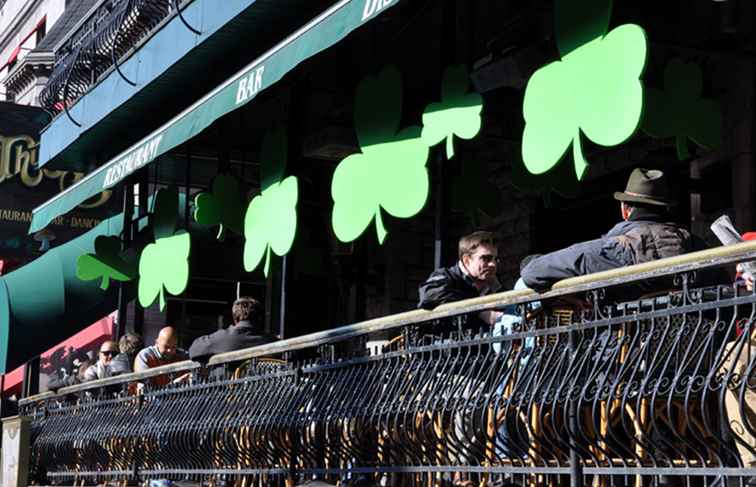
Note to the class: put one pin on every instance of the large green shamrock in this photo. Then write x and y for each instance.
(680, 112)
(164, 265)
(107, 263)
(271, 219)
(224, 206)
(458, 113)
(594, 90)
(389, 173)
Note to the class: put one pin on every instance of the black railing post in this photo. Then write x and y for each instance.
(30, 385)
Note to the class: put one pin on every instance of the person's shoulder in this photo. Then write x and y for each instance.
(147, 352)
(445, 274)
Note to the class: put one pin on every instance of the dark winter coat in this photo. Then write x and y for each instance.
(236, 337)
(645, 237)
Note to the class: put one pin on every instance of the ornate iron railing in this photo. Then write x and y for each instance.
(97, 44)
(588, 383)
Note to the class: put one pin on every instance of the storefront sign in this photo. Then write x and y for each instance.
(18, 159)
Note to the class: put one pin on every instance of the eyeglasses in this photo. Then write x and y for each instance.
(109, 353)
(488, 258)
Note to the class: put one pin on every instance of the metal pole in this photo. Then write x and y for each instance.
(282, 304)
(448, 45)
(187, 192)
(441, 211)
(128, 217)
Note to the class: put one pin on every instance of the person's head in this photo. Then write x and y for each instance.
(246, 309)
(108, 350)
(130, 343)
(645, 188)
(167, 341)
(479, 255)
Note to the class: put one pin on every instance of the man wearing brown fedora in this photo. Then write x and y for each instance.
(645, 234)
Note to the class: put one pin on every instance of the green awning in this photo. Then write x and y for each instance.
(319, 34)
(43, 302)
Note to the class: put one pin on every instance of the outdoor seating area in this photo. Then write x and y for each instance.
(629, 390)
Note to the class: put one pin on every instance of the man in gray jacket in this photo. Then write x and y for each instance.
(645, 234)
(244, 333)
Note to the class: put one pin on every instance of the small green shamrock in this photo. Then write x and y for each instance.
(458, 113)
(594, 90)
(389, 173)
(223, 207)
(680, 112)
(271, 219)
(107, 263)
(164, 265)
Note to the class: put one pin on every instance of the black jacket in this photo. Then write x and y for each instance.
(236, 337)
(646, 236)
(446, 285)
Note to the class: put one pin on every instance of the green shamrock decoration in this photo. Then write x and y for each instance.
(680, 112)
(389, 174)
(224, 206)
(107, 263)
(595, 90)
(271, 219)
(458, 113)
(164, 264)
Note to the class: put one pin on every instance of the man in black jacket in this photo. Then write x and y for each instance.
(472, 276)
(645, 234)
(244, 333)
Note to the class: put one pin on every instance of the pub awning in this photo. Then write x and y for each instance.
(43, 302)
(324, 31)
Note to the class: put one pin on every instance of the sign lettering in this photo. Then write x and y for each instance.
(132, 161)
(250, 85)
(373, 7)
(18, 158)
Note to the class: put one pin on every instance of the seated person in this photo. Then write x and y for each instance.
(102, 368)
(646, 234)
(163, 352)
(246, 332)
(472, 276)
(79, 365)
(128, 345)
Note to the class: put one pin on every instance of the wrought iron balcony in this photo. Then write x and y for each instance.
(98, 42)
(590, 380)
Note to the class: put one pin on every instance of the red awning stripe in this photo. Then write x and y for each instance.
(81, 341)
(17, 50)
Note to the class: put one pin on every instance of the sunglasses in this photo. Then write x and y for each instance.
(109, 353)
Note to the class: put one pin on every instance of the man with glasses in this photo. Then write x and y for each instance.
(472, 276)
(102, 368)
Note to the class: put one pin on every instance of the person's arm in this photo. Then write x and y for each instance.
(577, 260)
(140, 362)
(437, 289)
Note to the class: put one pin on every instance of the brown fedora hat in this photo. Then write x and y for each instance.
(646, 186)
